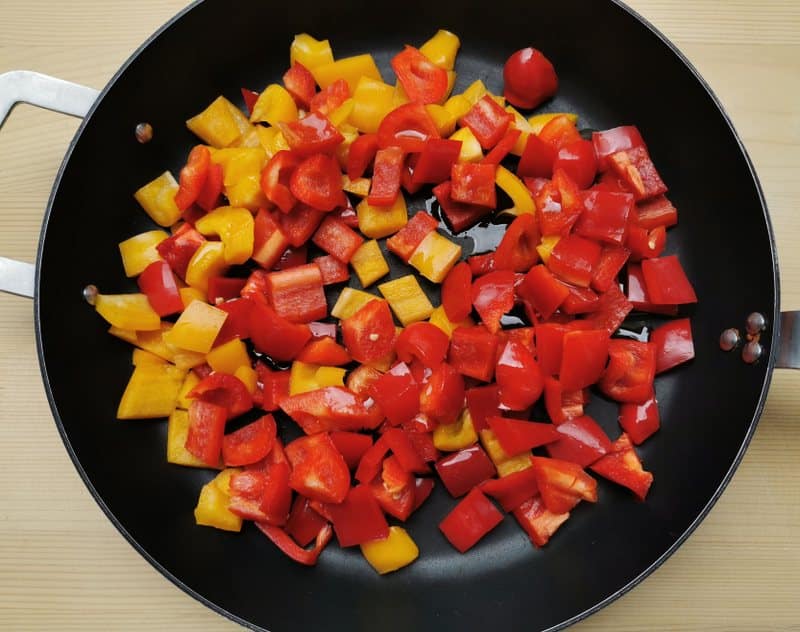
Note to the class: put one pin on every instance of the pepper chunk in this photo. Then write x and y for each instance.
(470, 520)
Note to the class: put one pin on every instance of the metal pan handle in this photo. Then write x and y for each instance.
(18, 86)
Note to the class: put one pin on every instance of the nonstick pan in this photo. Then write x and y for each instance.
(614, 69)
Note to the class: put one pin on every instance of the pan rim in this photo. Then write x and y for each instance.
(771, 360)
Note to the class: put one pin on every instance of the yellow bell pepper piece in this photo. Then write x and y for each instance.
(381, 221)
(520, 123)
(457, 436)
(241, 168)
(407, 300)
(443, 119)
(248, 376)
(350, 301)
(505, 463)
(369, 263)
(538, 121)
(228, 357)
(140, 357)
(272, 140)
(342, 151)
(235, 228)
(305, 377)
(440, 319)
(189, 294)
(139, 251)
(157, 198)
(128, 335)
(127, 311)
(342, 113)
(196, 328)
(470, 147)
(516, 190)
(207, 261)
(151, 392)
(351, 69)
(212, 506)
(221, 124)
(249, 139)
(442, 49)
(309, 51)
(274, 105)
(177, 431)
(546, 246)
(372, 100)
(391, 553)
(475, 91)
(435, 257)
(359, 186)
(458, 105)
(153, 341)
(189, 382)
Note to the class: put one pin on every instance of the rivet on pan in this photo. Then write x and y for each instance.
(756, 323)
(752, 352)
(90, 294)
(729, 339)
(144, 133)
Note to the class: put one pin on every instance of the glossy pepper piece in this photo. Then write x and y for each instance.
(470, 520)
(473, 352)
(274, 335)
(442, 398)
(332, 408)
(391, 553)
(538, 521)
(128, 311)
(207, 261)
(623, 466)
(463, 470)
(513, 490)
(407, 300)
(157, 198)
(435, 256)
(212, 505)
(518, 376)
(235, 228)
(221, 124)
(516, 435)
(455, 436)
(140, 251)
(581, 441)
(319, 471)
(151, 392)
(493, 296)
(197, 327)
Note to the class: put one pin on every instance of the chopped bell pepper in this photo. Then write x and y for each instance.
(475, 91)
(439, 318)
(140, 251)
(310, 52)
(212, 506)
(435, 256)
(457, 105)
(207, 261)
(228, 357)
(272, 140)
(306, 377)
(516, 190)
(197, 327)
(407, 300)
(248, 376)
(381, 221)
(358, 186)
(351, 69)
(538, 121)
(189, 382)
(470, 520)
(455, 436)
(350, 301)
(297, 294)
(406, 241)
(392, 552)
(337, 239)
(189, 294)
(220, 125)
(275, 105)
(372, 100)
(442, 49)
(470, 147)
(505, 463)
(127, 311)
(242, 175)
(142, 357)
(151, 392)
(443, 118)
(157, 198)
(369, 263)
(235, 228)
(177, 431)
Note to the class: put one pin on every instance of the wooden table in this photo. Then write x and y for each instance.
(62, 563)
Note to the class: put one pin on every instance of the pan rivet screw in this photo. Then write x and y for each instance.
(729, 339)
(756, 323)
(90, 294)
(144, 133)
(752, 352)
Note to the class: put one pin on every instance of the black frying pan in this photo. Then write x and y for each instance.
(614, 69)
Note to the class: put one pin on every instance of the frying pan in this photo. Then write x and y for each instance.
(709, 408)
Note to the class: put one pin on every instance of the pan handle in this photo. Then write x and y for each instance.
(789, 344)
(17, 86)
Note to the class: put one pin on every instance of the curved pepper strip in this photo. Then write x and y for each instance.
(516, 190)
(284, 542)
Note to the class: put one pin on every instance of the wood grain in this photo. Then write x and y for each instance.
(63, 565)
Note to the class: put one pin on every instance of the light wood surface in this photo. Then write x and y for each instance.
(62, 563)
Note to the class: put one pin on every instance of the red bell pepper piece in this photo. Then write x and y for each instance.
(442, 398)
(522, 335)
(261, 492)
(405, 241)
(369, 333)
(630, 372)
(517, 249)
(470, 520)
(537, 158)
(361, 154)
(583, 358)
(330, 98)
(612, 259)
(549, 346)
(581, 441)
(518, 376)
(574, 260)
(516, 435)
(622, 465)
(481, 264)
(403, 449)
(640, 421)
(224, 390)
(612, 309)
(222, 288)
(487, 121)
(473, 183)
(299, 82)
(250, 443)
(352, 446)
(323, 330)
(284, 542)
(483, 402)
(422, 490)
(319, 471)
(436, 161)
(423, 341)
(206, 429)
(157, 282)
(237, 324)
(559, 204)
(312, 134)
(580, 300)
(371, 461)
(325, 351)
(639, 173)
(465, 469)
(538, 521)
(666, 281)
(640, 297)
(317, 181)
(457, 292)
(422, 80)
(493, 296)
(255, 288)
(542, 291)
(362, 378)
(208, 198)
(397, 393)
(269, 240)
(386, 173)
(297, 294)
(605, 216)
(179, 249)
(304, 523)
(674, 344)
(563, 405)
(274, 335)
(502, 148)
(578, 161)
(331, 408)
(512, 490)
(656, 212)
(292, 257)
(275, 179)
(613, 140)
(337, 239)
(563, 484)
(250, 98)
(473, 352)
(459, 215)
(645, 244)
(274, 386)
(359, 518)
(407, 127)
(192, 177)
(559, 132)
(422, 440)
(395, 489)
(333, 271)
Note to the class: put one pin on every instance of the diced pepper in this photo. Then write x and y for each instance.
(221, 124)
(518, 376)
(455, 436)
(545, 248)
(462, 471)
(206, 428)
(228, 357)
(379, 221)
(207, 261)
(422, 342)
(483, 402)
(408, 127)
(306, 377)
(542, 291)
(638, 171)
(442, 118)
(350, 301)
(470, 147)
(337, 239)
(157, 198)
(473, 351)
(212, 506)
(538, 121)
(248, 376)
(372, 101)
(397, 393)
(297, 294)
(223, 390)
(493, 296)
(673, 342)
(310, 52)
(140, 251)
(487, 120)
(518, 192)
(406, 298)
(300, 84)
(324, 351)
(369, 333)
(630, 371)
(615, 140)
(359, 518)
(435, 256)
(421, 79)
(538, 521)
(457, 105)
(275, 105)
(442, 397)
(473, 184)
(177, 431)
(127, 311)
(369, 263)
(351, 69)
(667, 282)
(513, 490)
(359, 186)
(410, 235)
(179, 249)
(470, 520)
(517, 436)
(318, 469)
(152, 392)
(442, 48)
(459, 215)
(640, 421)
(291, 549)
(332, 270)
(505, 463)
(391, 553)
(574, 259)
(352, 446)
(622, 465)
(386, 172)
(197, 327)
(581, 441)
(563, 484)
(439, 318)
(234, 227)
(250, 443)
